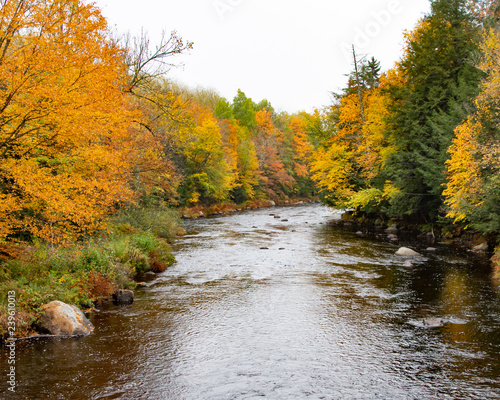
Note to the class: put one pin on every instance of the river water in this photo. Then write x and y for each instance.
(284, 308)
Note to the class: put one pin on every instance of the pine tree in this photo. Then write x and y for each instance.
(441, 81)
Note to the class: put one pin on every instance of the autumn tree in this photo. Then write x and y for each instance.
(242, 159)
(63, 120)
(472, 189)
(269, 145)
(347, 166)
(208, 174)
(161, 110)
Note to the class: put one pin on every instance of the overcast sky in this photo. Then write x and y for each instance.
(291, 52)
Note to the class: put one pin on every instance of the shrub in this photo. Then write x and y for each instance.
(162, 222)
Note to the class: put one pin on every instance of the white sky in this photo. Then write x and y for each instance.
(291, 52)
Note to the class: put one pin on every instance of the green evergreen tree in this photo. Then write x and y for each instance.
(441, 82)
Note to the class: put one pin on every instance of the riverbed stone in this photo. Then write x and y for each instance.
(392, 230)
(392, 237)
(123, 297)
(61, 319)
(433, 322)
(482, 248)
(406, 252)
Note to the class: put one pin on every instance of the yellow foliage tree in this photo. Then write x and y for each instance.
(241, 158)
(301, 147)
(345, 165)
(474, 166)
(464, 176)
(208, 175)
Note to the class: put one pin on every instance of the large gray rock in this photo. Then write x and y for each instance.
(406, 252)
(61, 319)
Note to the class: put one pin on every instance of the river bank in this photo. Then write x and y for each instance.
(289, 307)
(121, 260)
(485, 247)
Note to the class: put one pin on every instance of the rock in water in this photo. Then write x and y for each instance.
(482, 248)
(392, 230)
(123, 297)
(406, 252)
(433, 322)
(61, 319)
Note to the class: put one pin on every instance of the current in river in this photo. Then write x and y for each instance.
(280, 304)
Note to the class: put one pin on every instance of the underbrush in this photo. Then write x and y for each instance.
(87, 273)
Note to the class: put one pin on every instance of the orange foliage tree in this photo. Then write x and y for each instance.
(63, 119)
(472, 188)
(268, 142)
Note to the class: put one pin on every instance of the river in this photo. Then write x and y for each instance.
(284, 308)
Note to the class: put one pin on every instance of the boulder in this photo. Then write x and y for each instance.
(392, 230)
(61, 319)
(482, 248)
(272, 203)
(406, 252)
(392, 237)
(123, 297)
(433, 322)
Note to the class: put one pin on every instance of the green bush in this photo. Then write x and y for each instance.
(162, 222)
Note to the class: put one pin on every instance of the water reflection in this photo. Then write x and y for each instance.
(261, 307)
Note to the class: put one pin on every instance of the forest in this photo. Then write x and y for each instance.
(101, 153)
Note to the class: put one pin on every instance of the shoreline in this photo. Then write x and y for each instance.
(27, 316)
(380, 230)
